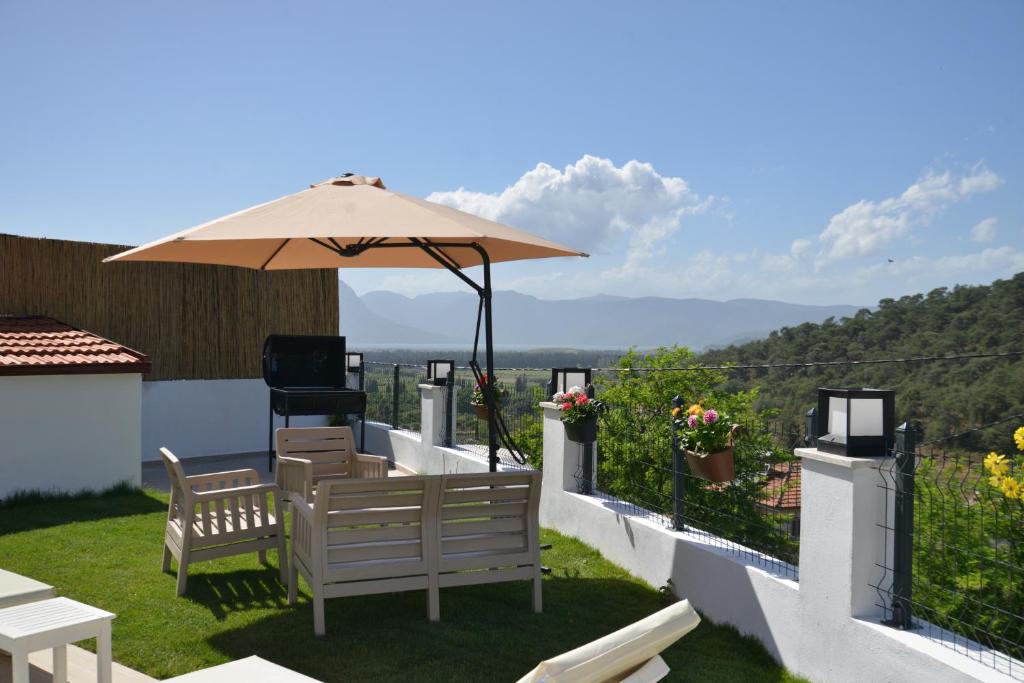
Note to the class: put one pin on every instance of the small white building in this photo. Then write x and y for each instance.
(70, 408)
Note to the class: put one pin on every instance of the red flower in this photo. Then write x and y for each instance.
(566, 406)
(582, 401)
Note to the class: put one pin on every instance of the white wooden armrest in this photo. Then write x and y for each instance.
(294, 475)
(303, 543)
(222, 479)
(301, 508)
(371, 466)
(235, 492)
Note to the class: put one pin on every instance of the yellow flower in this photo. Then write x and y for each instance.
(995, 480)
(695, 409)
(996, 464)
(676, 411)
(1018, 436)
(1011, 488)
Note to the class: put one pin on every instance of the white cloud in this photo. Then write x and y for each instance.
(865, 227)
(984, 231)
(589, 205)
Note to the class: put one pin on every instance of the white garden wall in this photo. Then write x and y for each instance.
(69, 432)
(826, 627)
(208, 417)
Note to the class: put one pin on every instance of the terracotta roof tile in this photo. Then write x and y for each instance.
(37, 345)
(782, 489)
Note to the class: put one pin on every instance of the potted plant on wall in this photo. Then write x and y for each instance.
(479, 402)
(579, 414)
(706, 436)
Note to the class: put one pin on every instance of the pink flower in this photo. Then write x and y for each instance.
(566, 406)
(710, 416)
(692, 421)
(557, 398)
(582, 401)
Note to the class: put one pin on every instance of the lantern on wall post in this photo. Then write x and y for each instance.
(438, 371)
(562, 379)
(354, 362)
(858, 423)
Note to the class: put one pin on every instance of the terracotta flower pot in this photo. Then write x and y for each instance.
(481, 411)
(717, 467)
(584, 431)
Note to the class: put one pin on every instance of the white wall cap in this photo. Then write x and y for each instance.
(838, 460)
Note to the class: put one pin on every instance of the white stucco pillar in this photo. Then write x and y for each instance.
(432, 417)
(561, 456)
(842, 542)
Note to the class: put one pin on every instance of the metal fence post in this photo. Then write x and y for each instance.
(587, 477)
(903, 527)
(449, 407)
(395, 394)
(678, 483)
(811, 428)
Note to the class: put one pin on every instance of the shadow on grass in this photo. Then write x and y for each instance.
(238, 591)
(25, 511)
(486, 633)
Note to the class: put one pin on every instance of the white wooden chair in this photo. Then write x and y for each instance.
(489, 529)
(629, 655)
(366, 536)
(220, 514)
(307, 455)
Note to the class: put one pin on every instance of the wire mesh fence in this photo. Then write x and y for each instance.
(521, 392)
(392, 394)
(756, 514)
(956, 572)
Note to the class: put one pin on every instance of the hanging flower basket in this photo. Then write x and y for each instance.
(701, 430)
(579, 414)
(716, 467)
(479, 402)
(582, 431)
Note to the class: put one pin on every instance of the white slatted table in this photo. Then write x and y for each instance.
(54, 624)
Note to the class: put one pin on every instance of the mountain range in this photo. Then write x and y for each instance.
(448, 318)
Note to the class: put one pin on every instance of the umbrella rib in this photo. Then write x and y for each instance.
(276, 252)
(451, 262)
(451, 259)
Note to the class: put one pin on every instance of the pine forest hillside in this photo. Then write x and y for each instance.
(946, 397)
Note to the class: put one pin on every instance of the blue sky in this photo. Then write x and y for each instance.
(723, 150)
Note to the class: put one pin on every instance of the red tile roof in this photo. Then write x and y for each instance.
(43, 346)
(782, 489)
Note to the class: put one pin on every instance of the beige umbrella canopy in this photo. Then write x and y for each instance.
(355, 222)
(328, 226)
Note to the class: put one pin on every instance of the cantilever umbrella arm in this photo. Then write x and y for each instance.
(436, 250)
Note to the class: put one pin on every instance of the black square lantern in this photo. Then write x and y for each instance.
(354, 362)
(562, 379)
(858, 423)
(438, 370)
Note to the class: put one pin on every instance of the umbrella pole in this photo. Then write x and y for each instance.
(492, 403)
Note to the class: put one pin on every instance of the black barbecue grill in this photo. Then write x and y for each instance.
(307, 376)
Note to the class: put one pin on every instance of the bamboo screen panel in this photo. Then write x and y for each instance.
(193, 321)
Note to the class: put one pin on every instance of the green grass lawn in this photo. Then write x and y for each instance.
(105, 551)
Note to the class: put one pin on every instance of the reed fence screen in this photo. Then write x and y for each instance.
(193, 321)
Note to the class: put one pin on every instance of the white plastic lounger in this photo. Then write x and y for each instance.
(630, 655)
(248, 670)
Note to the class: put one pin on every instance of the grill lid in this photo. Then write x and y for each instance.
(304, 361)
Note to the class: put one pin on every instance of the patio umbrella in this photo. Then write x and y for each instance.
(354, 221)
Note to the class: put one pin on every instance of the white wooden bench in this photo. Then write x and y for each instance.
(416, 533)
(220, 514)
(305, 456)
